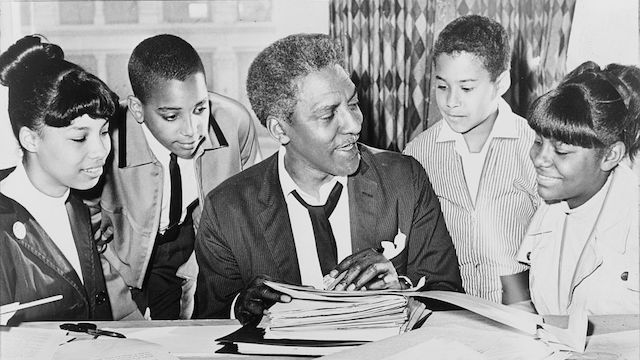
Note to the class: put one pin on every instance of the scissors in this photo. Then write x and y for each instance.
(90, 329)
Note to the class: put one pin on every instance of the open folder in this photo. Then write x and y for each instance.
(315, 315)
(513, 317)
(250, 340)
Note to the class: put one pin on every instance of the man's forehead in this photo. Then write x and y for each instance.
(331, 81)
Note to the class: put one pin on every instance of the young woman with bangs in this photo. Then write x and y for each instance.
(582, 243)
(60, 115)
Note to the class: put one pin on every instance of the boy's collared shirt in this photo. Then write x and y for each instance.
(302, 229)
(187, 174)
(472, 163)
(487, 230)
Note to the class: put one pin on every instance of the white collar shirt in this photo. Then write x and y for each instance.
(576, 227)
(49, 212)
(473, 163)
(302, 229)
(187, 174)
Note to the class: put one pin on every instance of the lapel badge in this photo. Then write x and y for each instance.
(19, 230)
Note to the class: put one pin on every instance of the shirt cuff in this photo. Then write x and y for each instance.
(405, 282)
(232, 314)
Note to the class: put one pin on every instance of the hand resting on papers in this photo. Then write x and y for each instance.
(364, 270)
(256, 298)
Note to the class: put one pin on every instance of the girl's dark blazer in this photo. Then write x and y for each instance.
(32, 267)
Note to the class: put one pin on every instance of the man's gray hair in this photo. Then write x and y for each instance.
(271, 82)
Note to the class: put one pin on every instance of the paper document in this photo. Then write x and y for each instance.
(334, 315)
(570, 339)
(262, 349)
(573, 338)
(29, 344)
(107, 348)
(515, 318)
(441, 349)
(445, 336)
(183, 341)
(619, 345)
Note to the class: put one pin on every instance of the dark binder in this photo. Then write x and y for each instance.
(252, 335)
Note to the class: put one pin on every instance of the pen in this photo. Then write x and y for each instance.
(13, 307)
(98, 332)
(90, 329)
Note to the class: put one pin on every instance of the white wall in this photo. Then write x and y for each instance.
(231, 46)
(604, 31)
(9, 150)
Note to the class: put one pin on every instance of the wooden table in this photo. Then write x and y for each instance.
(438, 323)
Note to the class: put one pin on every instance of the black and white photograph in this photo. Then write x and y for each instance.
(345, 179)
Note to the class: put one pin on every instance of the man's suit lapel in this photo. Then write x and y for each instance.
(364, 199)
(273, 217)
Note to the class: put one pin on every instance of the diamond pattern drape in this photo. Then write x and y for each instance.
(387, 46)
(388, 52)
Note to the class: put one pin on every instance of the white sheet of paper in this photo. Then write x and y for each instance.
(572, 338)
(191, 341)
(441, 349)
(108, 348)
(29, 343)
(619, 345)
(516, 318)
(492, 341)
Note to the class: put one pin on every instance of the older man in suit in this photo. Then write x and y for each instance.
(324, 205)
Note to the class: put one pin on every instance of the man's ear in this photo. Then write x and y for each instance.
(29, 139)
(135, 106)
(613, 155)
(503, 82)
(278, 129)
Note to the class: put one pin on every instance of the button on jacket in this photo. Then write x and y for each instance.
(32, 267)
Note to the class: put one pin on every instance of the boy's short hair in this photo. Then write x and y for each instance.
(161, 58)
(480, 36)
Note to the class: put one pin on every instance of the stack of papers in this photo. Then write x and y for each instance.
(334, 315)
(320, 322)
(349, 318)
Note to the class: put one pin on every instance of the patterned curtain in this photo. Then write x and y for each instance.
(388, 51)
(539, 32)
(388, 46)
